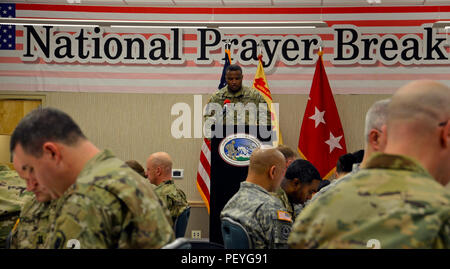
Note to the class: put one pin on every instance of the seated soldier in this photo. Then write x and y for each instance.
(101, 202)
(300, 183)
(263, 216)
(397, 199)
(32, 228)
(13, 195)
(159, 173)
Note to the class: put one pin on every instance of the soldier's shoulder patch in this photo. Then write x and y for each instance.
(284, 215)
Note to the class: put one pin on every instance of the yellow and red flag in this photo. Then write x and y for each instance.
(260, 83)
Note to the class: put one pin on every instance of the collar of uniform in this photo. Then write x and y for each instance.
(102, 155)
(230, 94)
(282, 192)
(249, 185)
(397, 162)
(167, 182)
(164, 183)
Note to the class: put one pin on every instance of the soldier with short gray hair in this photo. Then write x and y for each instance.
(398, 199)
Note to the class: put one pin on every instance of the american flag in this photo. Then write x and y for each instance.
(204, 165)
(7, 32)
(204, 172)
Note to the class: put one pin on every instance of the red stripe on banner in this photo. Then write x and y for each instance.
(234, 10)
(191, 63)
(247, 77)
(205, 163)
(382, 23)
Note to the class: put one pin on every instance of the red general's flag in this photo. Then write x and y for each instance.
(321, 139)
(204, 165)
(260, 83)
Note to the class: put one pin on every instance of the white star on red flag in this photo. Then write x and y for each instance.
(318, 117)
(321, 144)
(333, 142)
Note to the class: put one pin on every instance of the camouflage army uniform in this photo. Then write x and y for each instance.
(334, 183)
(394, 201)
(245, 95)
(266, 221)
(109, 206)
(4, 167)
(173, 197)
(12, 197)
(293, 209)
(33, 227)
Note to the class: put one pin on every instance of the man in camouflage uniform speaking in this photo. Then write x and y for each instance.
(159, 173)
(398, 200)
(102, 203)
(249, 106)
(263, 216)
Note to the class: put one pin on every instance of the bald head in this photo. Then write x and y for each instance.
(422, 103)
(159, 167)
(418, 126)
(267, 168)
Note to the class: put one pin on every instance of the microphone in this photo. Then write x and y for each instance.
(227, 101)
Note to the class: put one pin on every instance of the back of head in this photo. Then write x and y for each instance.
(42, 125)
(303, 170)
(376, 117)
(345, 163)
(263, 158)
(359, 155)
(323, 184)
(422, 103)
(418, 125)
(162, 160)
(136, 166)
(287, 152)
(267, 167)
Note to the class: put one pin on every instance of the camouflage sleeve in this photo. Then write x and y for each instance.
(300, 236)
(113, 226)
(280, 232)
(274, 231)
(149, 228)
(82, 219)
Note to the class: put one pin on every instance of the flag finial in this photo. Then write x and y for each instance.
(320, 52)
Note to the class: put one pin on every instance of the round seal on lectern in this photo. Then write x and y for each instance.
(236, 149)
